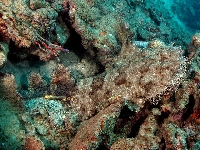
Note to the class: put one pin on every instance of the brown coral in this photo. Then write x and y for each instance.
(37, 85)
(61, 82)
(33, 143)
(3, 28)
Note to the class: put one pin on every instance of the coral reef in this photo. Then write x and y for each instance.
(51, 121)
(92, 131)
(146, 133)
(153, 73)
(124, 84)
(33, 23)
(95, 22)
(170, 125)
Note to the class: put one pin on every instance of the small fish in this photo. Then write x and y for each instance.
(54, 97)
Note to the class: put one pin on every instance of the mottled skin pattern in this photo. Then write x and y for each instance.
(167, 125)
(138, 75)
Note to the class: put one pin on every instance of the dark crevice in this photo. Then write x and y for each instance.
(74, 43)
(104, 142)
(172, 98)
(34, 61)
(14, 53)
(139, 37)
(102, 147)
(190, 143)
(17, 55)
(124, 121)
(136, 127)
(137, 120)
(191, 74)
(49, 148)
(162, 145)
(101, 68)
(1, 37)
(126, 113)
(162, 117)
(189, 108)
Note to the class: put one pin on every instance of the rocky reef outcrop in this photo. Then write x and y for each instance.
(85, 74)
